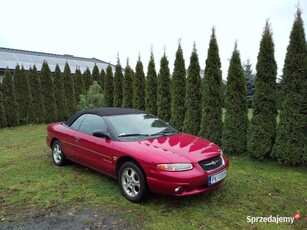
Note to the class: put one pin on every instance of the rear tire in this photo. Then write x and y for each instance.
(131, 182)
(57, 154)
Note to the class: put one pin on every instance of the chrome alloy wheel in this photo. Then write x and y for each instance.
(57, 153)
(130, 182)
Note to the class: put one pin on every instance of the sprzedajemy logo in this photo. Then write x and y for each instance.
(273, 219)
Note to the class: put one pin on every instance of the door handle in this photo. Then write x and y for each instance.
(77, 139)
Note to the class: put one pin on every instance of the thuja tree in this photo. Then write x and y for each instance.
(49, 100)
(193, 96)
(23, 96)
(178, 91)
(151, 87)
(61, 100)
(3, 122)
(263, 123)
(69, 90)
(212, 98)
(37, 96)
(102, 76)
(128, 88)
(118, 85)
(291, 141)
(79, 84)
(139, 86)
(96, 75)
(9, 99)
(108, 87)
(88, 79)
(164, 90)
(235, 124)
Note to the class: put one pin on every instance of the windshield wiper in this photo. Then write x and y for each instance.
(132, 135)
(166, 132)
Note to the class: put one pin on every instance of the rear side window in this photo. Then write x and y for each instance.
(92, 123)
(77, 122)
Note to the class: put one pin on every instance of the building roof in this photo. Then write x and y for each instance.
(9, 58)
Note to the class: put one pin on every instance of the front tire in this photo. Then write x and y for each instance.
(57, 154)
(132, 182)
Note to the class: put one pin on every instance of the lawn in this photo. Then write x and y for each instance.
(31, 185)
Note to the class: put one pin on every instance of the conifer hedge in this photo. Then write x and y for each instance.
(69, 90)
(234, 136)
(108, 87)
(48, 94)
(9, 99)
(164, 93)
(139, 86)
(118, 85)
(61, 100)
(151, 87)
(212, 98)
(178, 91)
(96, 75)
(193, 96)
(88, 79)
(23, 96)
(128, 88)
(37, 96)
(79, 84)
(263, 123)
(291, 141)
(3, 122)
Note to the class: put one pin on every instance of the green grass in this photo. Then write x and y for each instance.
(31, 183)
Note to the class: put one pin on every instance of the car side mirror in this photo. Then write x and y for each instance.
(101, 134)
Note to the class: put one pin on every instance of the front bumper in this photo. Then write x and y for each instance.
(184, 183)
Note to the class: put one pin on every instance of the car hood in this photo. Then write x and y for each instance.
(179, 148)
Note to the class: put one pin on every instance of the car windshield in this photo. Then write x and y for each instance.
(139, 126)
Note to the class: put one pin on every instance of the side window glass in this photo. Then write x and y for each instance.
(92, 123)
(78, 122)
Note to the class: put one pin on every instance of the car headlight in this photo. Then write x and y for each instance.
(175, 167)
(221, 152)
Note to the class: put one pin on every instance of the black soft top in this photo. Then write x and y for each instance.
(104, 111)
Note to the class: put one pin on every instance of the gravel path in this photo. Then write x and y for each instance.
(89, 219)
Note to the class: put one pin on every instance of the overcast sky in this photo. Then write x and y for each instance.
(102, 29)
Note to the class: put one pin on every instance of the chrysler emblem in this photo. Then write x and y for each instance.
(212, 163)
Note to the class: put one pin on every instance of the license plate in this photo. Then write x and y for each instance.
(217, 177)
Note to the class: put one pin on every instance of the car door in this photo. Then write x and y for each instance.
(93, 152)
(69, 143)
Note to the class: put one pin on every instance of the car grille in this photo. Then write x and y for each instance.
(211, 164)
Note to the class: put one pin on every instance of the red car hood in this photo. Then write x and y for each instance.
(179, 148)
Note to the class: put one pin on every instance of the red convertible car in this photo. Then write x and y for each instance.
(141, 151)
